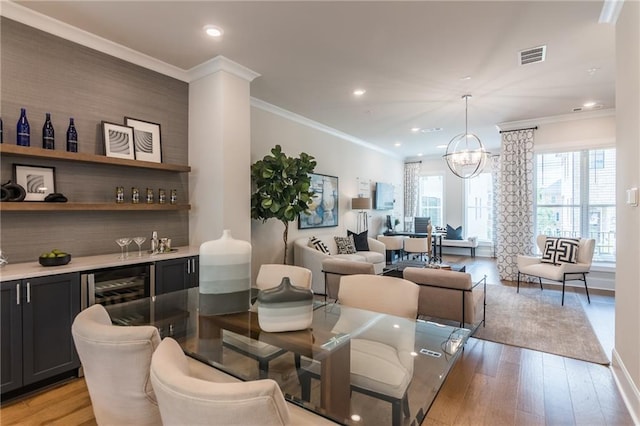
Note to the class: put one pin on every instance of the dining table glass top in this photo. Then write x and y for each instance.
(356, 361)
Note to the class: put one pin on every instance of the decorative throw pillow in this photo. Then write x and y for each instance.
(345, 245)
(560, 250)
(360, 240)
(316, 243)
(454, 234)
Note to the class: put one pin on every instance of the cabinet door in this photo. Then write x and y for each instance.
(11, 336)
(49, 305)
(172, 275)
(195, 271)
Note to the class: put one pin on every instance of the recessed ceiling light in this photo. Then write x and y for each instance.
(468, 77)
(431, 130)
(441, 146)
(356, 418)
(359, 92)
(589, 104)
(415, 129)
(419, 154)
(592, 71)
(213, 31)
(397, 144)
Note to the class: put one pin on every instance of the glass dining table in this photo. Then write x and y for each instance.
(359, 357)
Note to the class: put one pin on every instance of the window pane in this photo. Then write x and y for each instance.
(479, 202)
(565, 208)
(431, 198)
(558, 179)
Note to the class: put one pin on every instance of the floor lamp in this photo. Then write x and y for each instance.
(361, 204)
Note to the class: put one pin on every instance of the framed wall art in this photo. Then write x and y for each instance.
(37, 181)
(146, 138)
(323, 211)
(118, 140)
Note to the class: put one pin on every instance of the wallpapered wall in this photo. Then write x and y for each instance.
(44, 73)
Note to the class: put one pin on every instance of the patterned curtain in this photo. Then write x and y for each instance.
(411, 188)
(515, 202)
(495, 175)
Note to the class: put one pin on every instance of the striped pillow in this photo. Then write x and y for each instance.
(560, 250)
(316, 243)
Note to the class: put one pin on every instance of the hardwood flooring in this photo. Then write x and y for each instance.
(491, 384)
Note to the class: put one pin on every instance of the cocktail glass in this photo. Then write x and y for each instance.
(139, 241)
(122, 242)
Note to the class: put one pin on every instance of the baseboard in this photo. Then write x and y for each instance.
(628, 389)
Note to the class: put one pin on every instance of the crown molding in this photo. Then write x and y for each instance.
(585, 115)
(60, 29)
(265, 106)
(221, 63)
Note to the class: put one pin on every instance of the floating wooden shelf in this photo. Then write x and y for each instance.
(40, 206)
(48, 154)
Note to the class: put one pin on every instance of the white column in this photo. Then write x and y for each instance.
(219, 150)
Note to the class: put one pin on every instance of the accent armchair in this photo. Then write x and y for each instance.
(563, 259)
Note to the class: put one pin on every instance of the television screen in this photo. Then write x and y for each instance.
(384, 197)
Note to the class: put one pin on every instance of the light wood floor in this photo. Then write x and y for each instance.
(491, 384)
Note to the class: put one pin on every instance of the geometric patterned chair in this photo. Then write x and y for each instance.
(563, 259)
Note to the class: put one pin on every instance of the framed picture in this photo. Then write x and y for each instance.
(118, 140)
(37, 181)
(323, 211)
(146, 138)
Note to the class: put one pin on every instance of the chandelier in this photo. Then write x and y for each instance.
(466, 155)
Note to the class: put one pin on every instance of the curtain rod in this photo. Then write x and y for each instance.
(517, 130)
(414, 162)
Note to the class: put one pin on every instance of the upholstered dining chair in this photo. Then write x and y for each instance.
(563, 259)
(116, 363)
(335, 268)
(420, 246)
(392, 244)
(381, 362)
(269, 276)
(185, 399)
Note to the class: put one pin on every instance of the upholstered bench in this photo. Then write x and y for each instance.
(470, 243)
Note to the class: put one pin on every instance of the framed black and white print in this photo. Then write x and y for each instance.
(323, 210)
(146, 137)
(37, 181)
(118, 140)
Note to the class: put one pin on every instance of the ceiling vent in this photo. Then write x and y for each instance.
(579, 109)
(533, 55)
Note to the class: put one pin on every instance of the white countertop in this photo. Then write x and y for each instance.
(17, 271)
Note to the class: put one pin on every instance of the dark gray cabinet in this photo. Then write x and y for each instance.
(176, 274)
(36, 338)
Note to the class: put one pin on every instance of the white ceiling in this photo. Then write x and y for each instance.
(411, 57)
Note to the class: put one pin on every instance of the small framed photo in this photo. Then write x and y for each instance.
(37, 181)
(118, 140)
(146, 137)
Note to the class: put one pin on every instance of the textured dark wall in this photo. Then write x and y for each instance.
(44, 73)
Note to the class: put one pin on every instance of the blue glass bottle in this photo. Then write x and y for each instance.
(48, 139)
(23, 130)
(72, 137)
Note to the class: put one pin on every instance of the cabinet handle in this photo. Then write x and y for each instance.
(17, 294)
(28, 292)
(188, 266)
(193, 265)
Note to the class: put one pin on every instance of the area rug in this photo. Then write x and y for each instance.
(535, 319)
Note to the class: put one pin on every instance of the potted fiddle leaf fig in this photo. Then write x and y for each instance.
(282, 188)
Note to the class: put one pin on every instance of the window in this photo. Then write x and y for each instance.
(575, 197)
(430, 199)
(479, 204)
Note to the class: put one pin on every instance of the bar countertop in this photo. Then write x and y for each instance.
(25, 270)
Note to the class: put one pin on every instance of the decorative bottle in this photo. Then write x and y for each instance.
(48, 139)
(225, 275)
(23, 130)
(72, 137)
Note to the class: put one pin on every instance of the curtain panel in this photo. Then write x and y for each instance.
(411, 188)
(515, 202)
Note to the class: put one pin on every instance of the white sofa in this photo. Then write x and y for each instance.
(310, 258)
